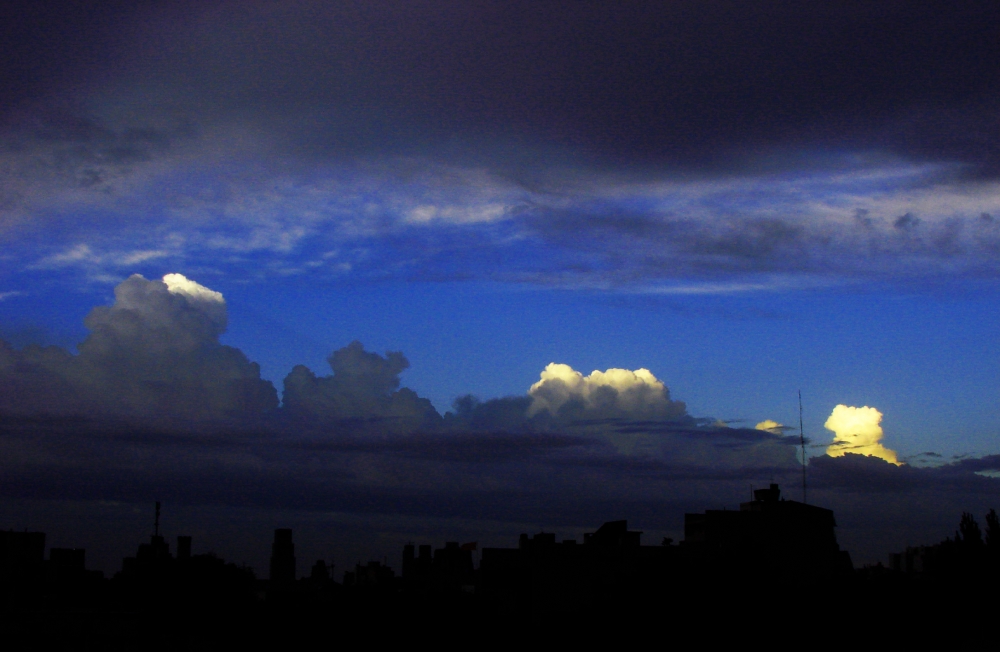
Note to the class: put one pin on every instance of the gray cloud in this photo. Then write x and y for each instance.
(774, 251)
(363, 391)
(690, 86)
(63, 154)
(461, 447)
(153, 355)
(550, 479)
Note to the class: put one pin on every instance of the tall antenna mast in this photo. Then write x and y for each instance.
(802, 440)
(156, 527)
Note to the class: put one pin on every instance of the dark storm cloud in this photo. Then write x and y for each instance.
(291, 493)
(577, 145)
(882, 508)
(623, 248)
(692, 429)
(47, 46)
(688, 84)
(64, 147)
(551, 479)
(475, 447)
(870, 474)
(670, 82)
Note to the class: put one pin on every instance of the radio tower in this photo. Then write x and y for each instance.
(802, 440)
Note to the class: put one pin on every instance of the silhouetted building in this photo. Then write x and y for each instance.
(613, 534)
(152, 560)
(157, 551)
(374, 577)
(914, 560)
(452, 568)
(320, 572)
(67, 564)
(544, 576)
(767, 536)
(188, 582)
(417, 569)
(968, 557)
(283, 556)
(447, 570)
(22, 555)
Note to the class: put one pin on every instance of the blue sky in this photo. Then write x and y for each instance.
(926, 359)
(860, 282)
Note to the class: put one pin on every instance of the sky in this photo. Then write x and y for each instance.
(349, 267)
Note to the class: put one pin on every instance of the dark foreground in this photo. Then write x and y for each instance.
(871, 604)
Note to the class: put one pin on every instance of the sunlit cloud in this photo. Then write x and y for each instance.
(771, 426)
(635, 393)
(858, 430)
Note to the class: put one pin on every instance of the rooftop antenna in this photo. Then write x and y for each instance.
(156, 526)
(802, 440)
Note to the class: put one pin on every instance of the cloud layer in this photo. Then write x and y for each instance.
(762, 148)
(154, 407)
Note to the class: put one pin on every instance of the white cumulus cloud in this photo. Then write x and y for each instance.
(858, 430)
(614, 392)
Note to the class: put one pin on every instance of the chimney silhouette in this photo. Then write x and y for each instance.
(283, 556)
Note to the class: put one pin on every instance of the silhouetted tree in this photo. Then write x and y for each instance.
(993, 530)
(968, 531)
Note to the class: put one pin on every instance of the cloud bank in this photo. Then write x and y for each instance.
(154, 407)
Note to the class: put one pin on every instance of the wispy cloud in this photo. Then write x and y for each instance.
(751, 234)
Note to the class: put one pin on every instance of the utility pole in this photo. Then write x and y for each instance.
(802, 440)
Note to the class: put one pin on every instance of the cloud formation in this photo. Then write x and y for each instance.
(154, 407)
(564, 392)
(562, 136)
(771, 426)
(152, 355)
(858, 431)
(363, 391)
